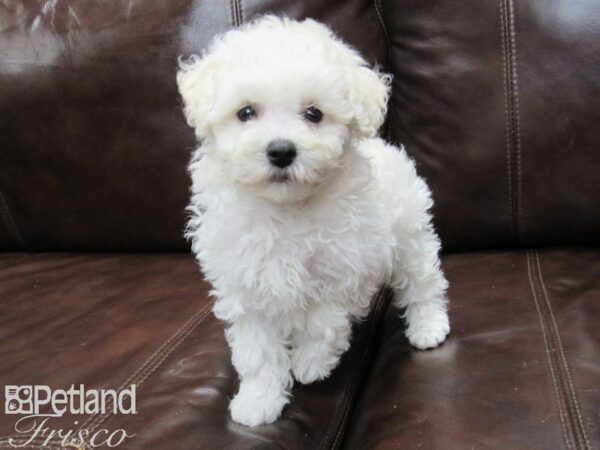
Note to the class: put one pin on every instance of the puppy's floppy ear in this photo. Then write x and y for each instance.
(196, 83)
(368, 92)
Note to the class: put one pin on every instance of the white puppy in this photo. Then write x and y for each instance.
(299, 212)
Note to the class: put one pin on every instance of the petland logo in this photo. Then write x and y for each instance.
(38, 404)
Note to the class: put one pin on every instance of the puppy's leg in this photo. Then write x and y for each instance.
(317, 347)
(261, 359)
(420, 287)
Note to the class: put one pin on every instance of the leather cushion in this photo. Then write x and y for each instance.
(108, 321)
(519, 370)
(499, 103)
(94, 144)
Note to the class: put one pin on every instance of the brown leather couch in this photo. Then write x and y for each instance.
(498, 102)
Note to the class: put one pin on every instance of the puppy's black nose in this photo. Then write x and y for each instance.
(281, 152)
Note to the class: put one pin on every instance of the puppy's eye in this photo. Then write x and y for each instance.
(313, 114)
(246, 113)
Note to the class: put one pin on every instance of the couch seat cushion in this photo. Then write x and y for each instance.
(520, 370)
(109, 321)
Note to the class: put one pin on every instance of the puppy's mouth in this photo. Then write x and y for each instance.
(280, 177)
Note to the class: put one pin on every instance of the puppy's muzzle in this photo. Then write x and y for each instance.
(281, 152)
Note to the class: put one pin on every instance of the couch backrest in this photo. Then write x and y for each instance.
(93, 143)
(499, 103)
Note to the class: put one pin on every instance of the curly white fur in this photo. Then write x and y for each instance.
(294, 261)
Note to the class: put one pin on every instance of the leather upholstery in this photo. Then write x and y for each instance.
(93, 148)
(94, 145)
(108, 321)
(520, 369)
(498, 102)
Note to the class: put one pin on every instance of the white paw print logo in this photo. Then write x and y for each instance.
(18, 399)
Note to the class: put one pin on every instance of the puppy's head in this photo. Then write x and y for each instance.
(277, 102)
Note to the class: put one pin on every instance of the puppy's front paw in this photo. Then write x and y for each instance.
(308, 370)
(314, 360)
(428, 325)
(257, 404)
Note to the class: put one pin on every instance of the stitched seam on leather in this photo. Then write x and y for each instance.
(138, 377)
(157, 358)
(337, 425)
(516, 125)
(9, 223)
(514, 114)
(377, 319)
(381, 307)
(376, 339)
(347, 408)
(232, 12)
(550, 351)
(153, 362)
(241, 11)
(512, 121)
(236, 12)
(388, 45)
(345, 401)
(505, 77)
(579, 427)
